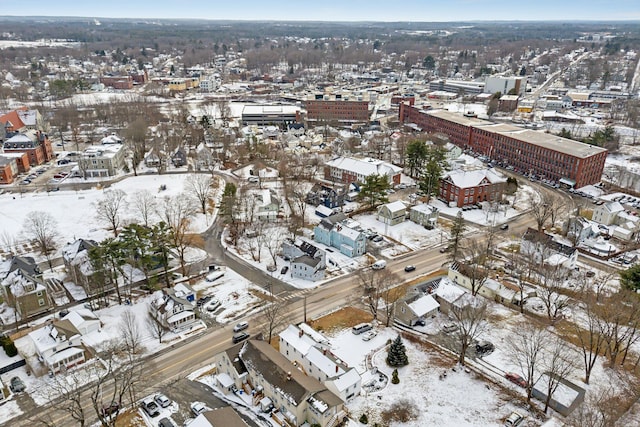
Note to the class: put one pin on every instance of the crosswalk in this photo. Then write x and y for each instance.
(295, 295)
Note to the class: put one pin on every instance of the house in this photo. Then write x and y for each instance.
(268, 204)
(467, 187)
(23, 287)
(179, 157)
(8, 169)
(488, 287)
(449, 295)
(77, 263)
(424, 214)
(183, 291)
(335, 231)
(392, 213)
(310, 351)
(547, 250)
(351, 169)
(173, 310)
(219, 417)
(151, 159)
(606, 213)
(59, 344)
(413, 308)
(323, 211)
(307, 260)
(328, 196)
(262, 372)
(579, 229)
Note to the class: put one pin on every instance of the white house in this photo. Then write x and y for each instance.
(172, 310)
(547, 250)
(311, 351)
(606, 214)
(59, 344)
(415, 308)
(424, 214)
(392, 213)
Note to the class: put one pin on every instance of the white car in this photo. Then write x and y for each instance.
(197, 408)
(162, 400)
(368, 336)
(213, 305)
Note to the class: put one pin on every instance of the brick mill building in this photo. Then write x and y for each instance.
(529, 152)
(346, 109)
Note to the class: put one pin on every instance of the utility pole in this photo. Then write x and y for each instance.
(305, 309)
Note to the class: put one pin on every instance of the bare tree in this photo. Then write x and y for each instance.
(130, 333)
(587, 331)
(67, 389)
(273, 238)
(274, 313)
(550, 291)
(200, 188)
(542, 209)
(109, 208)
(474, 266)
(526, 345)
(471, 323)
(374, 284)
(156, 327)
(43, 229)
(144, 203)
(559, 364)
(601, 408)
(177, 212)
(618, 318)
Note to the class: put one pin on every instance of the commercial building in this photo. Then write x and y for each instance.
(270, 114)
(548, 156)
(461, 188)
(505, 85)
(103, 160)
(350, 169)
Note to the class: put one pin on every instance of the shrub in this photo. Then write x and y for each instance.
(394, 377)
(364, 419)
(9, 346)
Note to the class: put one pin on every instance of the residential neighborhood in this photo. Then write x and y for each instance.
(212, 220)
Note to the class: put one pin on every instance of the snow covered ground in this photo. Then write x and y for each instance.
(75, 211)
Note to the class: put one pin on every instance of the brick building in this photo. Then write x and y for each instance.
(34, 143)
(463, 188)
(117, 82)
(529, 152)
(11, 165)
(338, 108)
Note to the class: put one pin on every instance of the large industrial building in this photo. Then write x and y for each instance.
(529, 152)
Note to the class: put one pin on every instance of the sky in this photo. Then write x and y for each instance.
(334, 10)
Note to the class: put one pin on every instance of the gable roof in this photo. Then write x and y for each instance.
(422, 305)
(466, 179)
(365, 167)
(279, 372)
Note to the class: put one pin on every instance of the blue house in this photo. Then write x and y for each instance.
(333, 231)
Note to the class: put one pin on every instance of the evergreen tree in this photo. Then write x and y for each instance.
(457, 230)
(397, 354)
(374, 190)
(394, 377)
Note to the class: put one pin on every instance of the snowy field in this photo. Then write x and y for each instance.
(75, 211)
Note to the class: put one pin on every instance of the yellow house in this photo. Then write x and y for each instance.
(177, 85)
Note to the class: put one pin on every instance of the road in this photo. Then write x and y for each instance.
(174, 364)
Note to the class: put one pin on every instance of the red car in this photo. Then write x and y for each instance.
(516, 379)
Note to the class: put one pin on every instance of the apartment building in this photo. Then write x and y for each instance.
(34, 143)
(529, 152)
(103, 160)
(462, 187)
(351, 169)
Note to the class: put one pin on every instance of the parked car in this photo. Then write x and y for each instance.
(197, 408)
(504, 227)
(16, 385)
(150, 407)
(203, 300)
(108, 410)
(514, 420)
(241, 326)
(368, 336)
(484, 348)
(284, 269)
(240, 336)
(213, 305)
(409, 268)
(162, 400)
(377, 239)
(449, 327)
(516, 379)
(165, 422)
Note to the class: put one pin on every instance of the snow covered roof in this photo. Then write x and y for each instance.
(364, 167)
(424, 207)
(180, 316)
(396, 206)
(347, 379)
(424, 305)
(448, 291)
(64, 354)
(613, 207)
(472, 178)
(301, 344)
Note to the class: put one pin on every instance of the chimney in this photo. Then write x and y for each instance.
(300, 333)
(336, 369)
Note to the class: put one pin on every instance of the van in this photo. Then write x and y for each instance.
(379, 265)
(361, 328)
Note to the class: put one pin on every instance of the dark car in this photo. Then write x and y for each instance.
(16, 385)
(516, 379)
(108, 410)
(284, 270)
(203, 300)
(484, 347)
(165, 422)
(409, 268)
(240, 336)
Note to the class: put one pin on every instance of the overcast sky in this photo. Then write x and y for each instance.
(333, 10)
